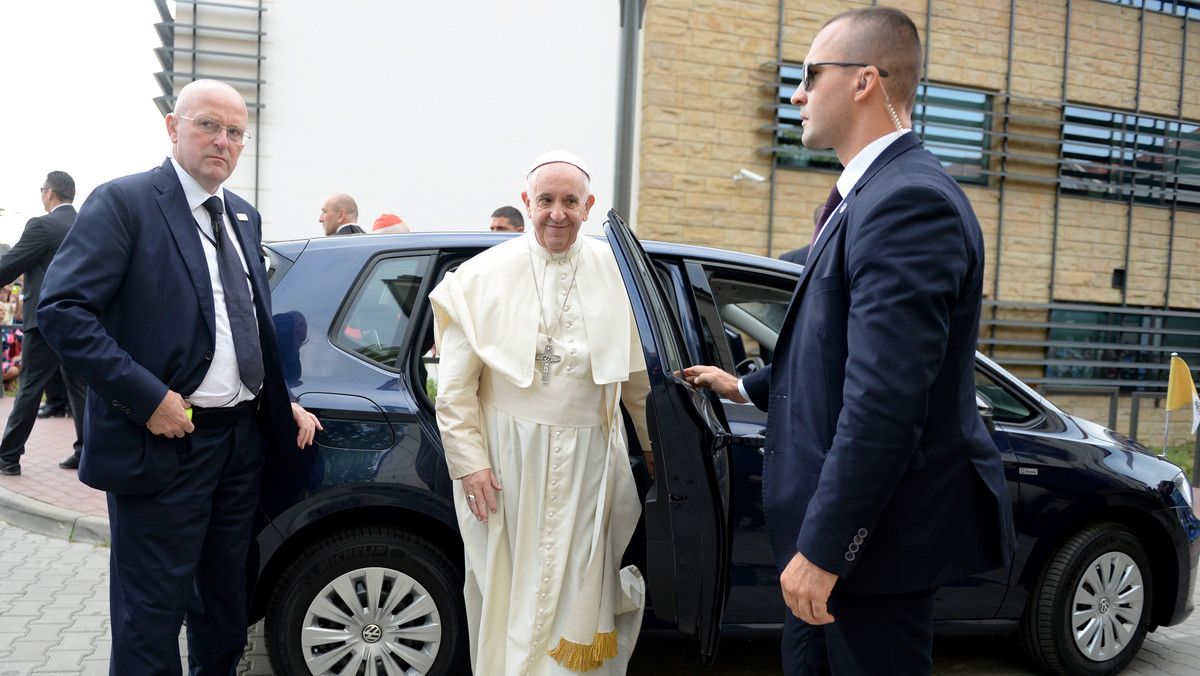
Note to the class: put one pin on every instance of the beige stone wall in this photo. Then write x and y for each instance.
(1091, 243)
(965, 41)
(1191, 94)
(1103, 54)
(1152, 419)
(1146, 277)
(1160, 65)
(707, 97)
(1185, 262)
(1039, 40)
(704, 87)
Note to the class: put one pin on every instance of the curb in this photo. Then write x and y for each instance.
(53, 521)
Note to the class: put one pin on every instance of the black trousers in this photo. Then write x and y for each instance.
(884, 634)
(182, 552)
(39, 361)
(56, 393)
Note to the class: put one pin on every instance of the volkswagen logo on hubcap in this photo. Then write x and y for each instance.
(1103, 606)
(372, 633)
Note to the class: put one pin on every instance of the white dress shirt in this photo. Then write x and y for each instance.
(222, 385)
(850, 177)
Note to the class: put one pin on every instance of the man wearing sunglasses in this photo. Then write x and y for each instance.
(880, 480)
(159, 300)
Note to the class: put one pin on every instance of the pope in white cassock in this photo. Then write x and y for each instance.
(538, 350)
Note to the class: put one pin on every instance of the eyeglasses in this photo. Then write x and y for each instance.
(213, 128)
(807, 75)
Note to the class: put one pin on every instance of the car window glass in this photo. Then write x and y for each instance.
(1006, 407)
(376, 320)
(752, 311)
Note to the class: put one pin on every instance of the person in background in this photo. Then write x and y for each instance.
(55, 404)
(339, 215)
(388, 223)
(31, 256)
(10, 336)
(507, 219)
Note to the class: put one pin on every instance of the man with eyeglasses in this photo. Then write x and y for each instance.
(159, 300)
(31, 256)
(881, 482)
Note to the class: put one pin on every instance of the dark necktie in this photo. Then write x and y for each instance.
(238, 305)
(835, 198)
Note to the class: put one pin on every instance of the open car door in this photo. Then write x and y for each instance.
(688, 508)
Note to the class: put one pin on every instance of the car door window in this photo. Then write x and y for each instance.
(376, 319)
(751, 310)
(1007, 407)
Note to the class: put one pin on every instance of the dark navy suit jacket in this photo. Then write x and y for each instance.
(32, 255)
(128, 305)
(878, 467)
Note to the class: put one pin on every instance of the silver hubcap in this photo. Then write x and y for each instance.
(1108, 605)
(374, 619)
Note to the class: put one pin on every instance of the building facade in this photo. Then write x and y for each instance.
(1072, 125)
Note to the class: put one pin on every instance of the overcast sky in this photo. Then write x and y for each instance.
(76, 95)
(77, 88)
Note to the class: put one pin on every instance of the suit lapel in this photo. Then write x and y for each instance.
(904, 143)
(182, 226)
(899, 146)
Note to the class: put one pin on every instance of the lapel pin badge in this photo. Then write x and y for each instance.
(243, 217)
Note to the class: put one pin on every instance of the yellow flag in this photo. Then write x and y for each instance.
(1181, 391)
(1180, 388)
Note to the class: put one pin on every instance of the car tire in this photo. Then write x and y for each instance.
(327, 613)
(1090, 610)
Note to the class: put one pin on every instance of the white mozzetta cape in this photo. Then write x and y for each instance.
(492, 298)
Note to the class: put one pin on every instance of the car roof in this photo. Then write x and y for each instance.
(483, 240)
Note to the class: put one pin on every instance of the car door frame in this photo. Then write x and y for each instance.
(688, 511)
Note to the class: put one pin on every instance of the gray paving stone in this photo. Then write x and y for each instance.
(30, 650)
(89, 624)
(77, 640)
(67, 632)
(94, 667)
(64, 661)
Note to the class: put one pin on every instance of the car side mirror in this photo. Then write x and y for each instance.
(987, 412)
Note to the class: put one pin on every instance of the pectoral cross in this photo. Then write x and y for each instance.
(547, 357)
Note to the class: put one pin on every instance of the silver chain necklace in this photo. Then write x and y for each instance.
(547, 356)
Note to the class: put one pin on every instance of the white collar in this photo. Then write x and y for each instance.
(545, 254)
(195, 194)
(862, 161)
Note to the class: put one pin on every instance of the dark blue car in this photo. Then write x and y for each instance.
(358, 554)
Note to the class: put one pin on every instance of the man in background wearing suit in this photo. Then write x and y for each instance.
(880, 480)
(31, 256)
(159, 300)
(339, 215)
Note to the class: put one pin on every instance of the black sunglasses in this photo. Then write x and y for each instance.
(807, 75)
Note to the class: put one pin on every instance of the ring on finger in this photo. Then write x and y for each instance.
(471, 498)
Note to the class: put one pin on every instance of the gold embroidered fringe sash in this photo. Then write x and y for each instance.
(584, 658)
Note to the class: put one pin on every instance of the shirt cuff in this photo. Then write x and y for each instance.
(742, 390)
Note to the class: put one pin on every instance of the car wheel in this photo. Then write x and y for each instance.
(1090, 610)
(368, 601)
